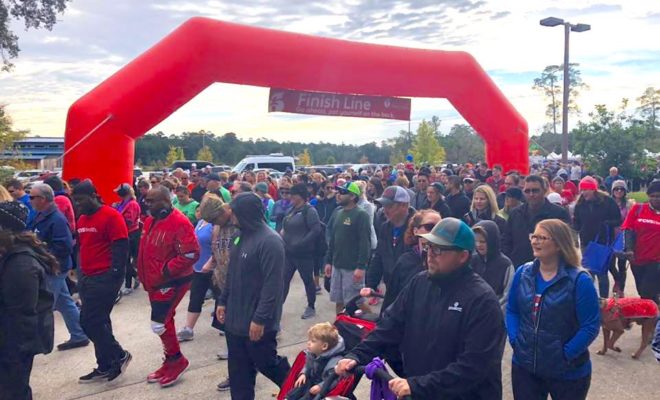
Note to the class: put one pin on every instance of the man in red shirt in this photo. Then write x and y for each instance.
(103, 239)
(642, 240)
(168, 251)
(496, 180)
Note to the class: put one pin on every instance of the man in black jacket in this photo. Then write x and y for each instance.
(251, 304)
(397, 211)
(458, 202)
(456, 354)
(523, 220)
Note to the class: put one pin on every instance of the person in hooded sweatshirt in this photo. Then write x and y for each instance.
(251, 304)
(489, 262)
(447, 323)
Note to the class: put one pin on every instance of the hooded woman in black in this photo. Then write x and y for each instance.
(493, 266)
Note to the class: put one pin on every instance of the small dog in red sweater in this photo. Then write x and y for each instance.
(618, 314)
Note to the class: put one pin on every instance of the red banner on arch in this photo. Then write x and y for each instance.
(338, 105)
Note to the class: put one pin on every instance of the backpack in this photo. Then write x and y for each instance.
(320, 245)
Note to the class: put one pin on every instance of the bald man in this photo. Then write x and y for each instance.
(168, 251)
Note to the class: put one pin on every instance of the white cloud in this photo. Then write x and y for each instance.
(617, 56)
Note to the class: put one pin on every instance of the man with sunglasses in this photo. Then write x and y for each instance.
(327, 201)
(17, 191)
(447, 324)
(522, 220)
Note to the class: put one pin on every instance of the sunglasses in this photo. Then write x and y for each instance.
(329, 188)
(35, 197)
(618, 190)
(427, 227)
(154, 182)
(285, 192)
(534, 190)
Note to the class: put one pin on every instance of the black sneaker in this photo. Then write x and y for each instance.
(94, 376)
(223, 386)
(120, 366)
(70, 344)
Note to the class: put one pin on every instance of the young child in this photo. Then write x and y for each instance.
(324, 349)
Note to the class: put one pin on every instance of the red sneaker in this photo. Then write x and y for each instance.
(158, 374)
(174, 371)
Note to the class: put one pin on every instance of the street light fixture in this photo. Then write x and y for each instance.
(568, 27)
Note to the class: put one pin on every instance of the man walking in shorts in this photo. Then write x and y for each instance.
(349, 248)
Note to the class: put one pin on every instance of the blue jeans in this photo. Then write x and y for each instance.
(656, 342)
(63, 303)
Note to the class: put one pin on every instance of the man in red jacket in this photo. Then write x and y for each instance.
(168, 250)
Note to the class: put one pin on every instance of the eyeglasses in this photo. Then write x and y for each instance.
(618, 189)
(540, 238)
(426, 227)
(438, 250)
(532, 190)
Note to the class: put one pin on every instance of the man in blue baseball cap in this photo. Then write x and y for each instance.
(447, 323)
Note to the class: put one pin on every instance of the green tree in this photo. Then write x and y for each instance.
(205, 154)
(550, 84)
(609, 139)
(331, 160)
(649, 108)
(35, 13)
(8, 135)
(174, 154)
(462, 144)
(426, 149)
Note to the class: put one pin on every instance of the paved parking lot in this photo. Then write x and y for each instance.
(616, 376)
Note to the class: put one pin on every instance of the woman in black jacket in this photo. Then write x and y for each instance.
(435, 194)
(596, 215)
(484, 207)
(26, 304)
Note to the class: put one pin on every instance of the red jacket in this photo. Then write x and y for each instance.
(168, 251)
(65, 206)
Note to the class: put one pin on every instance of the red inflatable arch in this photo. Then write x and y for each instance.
(102, 125)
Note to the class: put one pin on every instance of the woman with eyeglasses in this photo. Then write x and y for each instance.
(283, 205)
(619, 262)
(552, 317)
(595, 217)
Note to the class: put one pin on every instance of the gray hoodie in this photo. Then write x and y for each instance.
(317, 367)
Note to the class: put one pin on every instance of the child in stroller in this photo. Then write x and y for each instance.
(351, 330)
(324, 349)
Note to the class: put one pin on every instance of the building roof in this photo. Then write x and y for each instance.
(41, 140)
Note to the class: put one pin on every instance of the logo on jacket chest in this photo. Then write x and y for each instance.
(455, 307)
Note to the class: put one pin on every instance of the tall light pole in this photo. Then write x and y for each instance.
(568, 27)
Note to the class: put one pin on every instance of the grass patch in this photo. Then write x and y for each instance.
(640, 197)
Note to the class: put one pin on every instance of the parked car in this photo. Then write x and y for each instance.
(27, 175)
(276, 161)
(187, 164)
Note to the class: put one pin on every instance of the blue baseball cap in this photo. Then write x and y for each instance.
(451, 232)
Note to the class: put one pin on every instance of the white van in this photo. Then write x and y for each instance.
(276, 161)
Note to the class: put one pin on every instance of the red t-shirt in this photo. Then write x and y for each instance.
(96, 233)
(646, 226)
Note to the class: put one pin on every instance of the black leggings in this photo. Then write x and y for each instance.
(201, 282)
(133, 248)
(527, 386)
(305, 267)
(618, 269)
(647, 280)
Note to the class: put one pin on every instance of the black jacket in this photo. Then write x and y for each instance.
(26, 305)
(440, 206)
(409, 264)
(450, 335)
(459, 204)
(387, 252)
(325, 207)
(495, 268)
(473, 217)
(597, 217)
(255, 279)
(300, 229)
(515, 241)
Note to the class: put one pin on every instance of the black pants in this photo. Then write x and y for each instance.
(527, 386)
(619, 271)
(305, 267)
(201, 282)
(15, 372)
(133, 248)
(98, 293)
(247, 357)
(647, 280)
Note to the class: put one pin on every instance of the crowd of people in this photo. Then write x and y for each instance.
(465, 256)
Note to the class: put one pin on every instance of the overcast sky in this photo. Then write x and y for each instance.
(619, 57)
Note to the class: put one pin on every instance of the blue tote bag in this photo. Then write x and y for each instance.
(596, 256)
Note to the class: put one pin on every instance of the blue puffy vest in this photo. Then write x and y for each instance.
(539, 345)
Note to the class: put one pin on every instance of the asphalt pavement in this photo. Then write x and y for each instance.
(55, 376)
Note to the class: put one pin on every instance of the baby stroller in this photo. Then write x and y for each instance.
(353, 327)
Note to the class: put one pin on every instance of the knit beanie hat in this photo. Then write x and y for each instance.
(261, 187)
(588, 183)
(619, 184)
(13, 216)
